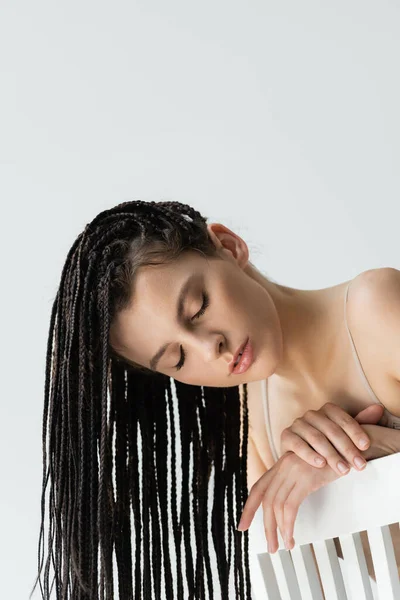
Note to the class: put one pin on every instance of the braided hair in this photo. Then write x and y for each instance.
(109, 435)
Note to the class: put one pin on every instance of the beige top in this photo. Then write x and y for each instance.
(393, 420)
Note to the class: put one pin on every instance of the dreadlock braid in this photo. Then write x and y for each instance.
(109, 435)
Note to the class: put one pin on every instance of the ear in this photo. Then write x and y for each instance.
(229, 243)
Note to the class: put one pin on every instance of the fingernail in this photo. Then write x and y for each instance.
(363, 442)
(319, 461)
(240, 526)
(359, 462)
(288, 543)
(342, 467)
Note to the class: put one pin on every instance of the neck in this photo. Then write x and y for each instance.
(311, 324)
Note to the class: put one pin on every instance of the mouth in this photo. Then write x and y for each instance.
(242, 359)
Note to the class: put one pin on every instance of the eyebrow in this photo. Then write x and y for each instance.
(179, 316)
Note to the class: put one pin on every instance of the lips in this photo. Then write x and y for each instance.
(238, 351)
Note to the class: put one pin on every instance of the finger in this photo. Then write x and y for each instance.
(279, 506)
(349, 425)
(296, 442)
(272, 517)
(319, 442)
(270, 526)
(383, 421)
(291, 509)
(254, 499)
(336, 442)
(371, 415)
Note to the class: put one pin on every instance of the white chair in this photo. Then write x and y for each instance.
(360, 501)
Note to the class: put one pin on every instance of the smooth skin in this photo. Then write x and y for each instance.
(282, 488)
(309, 436)
(295, 334)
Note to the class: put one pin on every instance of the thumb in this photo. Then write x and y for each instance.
(372, 414)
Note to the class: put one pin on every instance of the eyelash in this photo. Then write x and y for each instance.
(206, 304)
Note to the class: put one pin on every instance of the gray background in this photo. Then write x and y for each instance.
(278, 119)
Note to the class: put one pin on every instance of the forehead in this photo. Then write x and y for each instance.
(161, 282)
(153, 297)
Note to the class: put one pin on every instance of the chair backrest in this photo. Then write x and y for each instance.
(366, 501)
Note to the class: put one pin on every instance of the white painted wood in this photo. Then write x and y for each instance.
(386, 573)
(263, 579)
(307, 573)
(285, 575)
(358, 580)
(362, 500)
(257, 539)
(375, 501)
(330, 571)
(344, 575)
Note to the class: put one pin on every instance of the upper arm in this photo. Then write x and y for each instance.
(255, 466)
(376, 308)
(257, 430)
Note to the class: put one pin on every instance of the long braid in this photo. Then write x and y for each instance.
(241, 478)
(185, 416)
(175, 525)
(203, 492)
(93, 466)
(95, 401)
(161, 450)
(217, 414)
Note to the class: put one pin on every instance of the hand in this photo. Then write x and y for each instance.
(384, 441)
(281, 490)
(329, 435)
(283, 487)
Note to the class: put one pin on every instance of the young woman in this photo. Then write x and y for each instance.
(151, 295)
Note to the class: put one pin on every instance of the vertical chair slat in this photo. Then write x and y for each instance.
(329, 568)
(263, 579)
(307, 572)
(385, 567)
(264, 584)
(360, 502)
(285, 575)
(356, 567)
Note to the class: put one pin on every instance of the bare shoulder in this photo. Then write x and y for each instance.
(374, 311)
(375, 286)
(373, 314)
(257, 429)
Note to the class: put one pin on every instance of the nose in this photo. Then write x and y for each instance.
(223, 351)
(212, 347)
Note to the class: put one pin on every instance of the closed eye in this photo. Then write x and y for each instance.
(206, 303)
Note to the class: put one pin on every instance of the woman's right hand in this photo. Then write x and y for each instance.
(330, 434)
